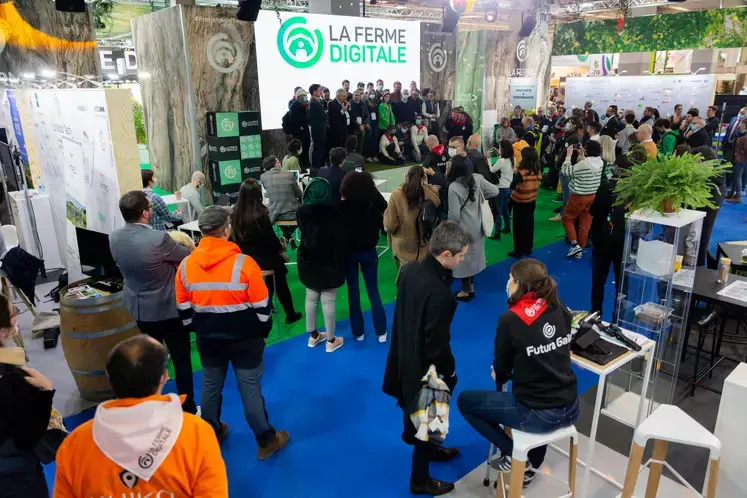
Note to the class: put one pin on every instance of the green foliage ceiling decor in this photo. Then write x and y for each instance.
(685, 180)
(724, 28)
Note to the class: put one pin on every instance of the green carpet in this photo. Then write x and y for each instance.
(545, 233)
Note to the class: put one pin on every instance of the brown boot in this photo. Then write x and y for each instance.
(222, 432)
(734, 200)
(277, 443)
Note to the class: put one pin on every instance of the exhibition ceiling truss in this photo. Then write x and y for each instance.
(474, 18)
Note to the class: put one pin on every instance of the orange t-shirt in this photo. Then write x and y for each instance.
(193, 468)
(651, 149)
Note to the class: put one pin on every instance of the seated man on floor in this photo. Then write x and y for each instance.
(142, 443)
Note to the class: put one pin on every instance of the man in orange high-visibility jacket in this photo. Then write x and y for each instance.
(222, 293)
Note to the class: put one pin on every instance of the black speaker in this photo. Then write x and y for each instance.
(527, 25)
(70, 5)
(248, 10)
(450, 20)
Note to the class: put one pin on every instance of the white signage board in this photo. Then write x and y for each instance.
(523, 92)
(76, 157)
(303, 49)
(636, 93)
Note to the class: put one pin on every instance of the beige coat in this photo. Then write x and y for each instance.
(399, 222)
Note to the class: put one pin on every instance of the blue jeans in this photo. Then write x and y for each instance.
(504, 194)
(214, 369)
(736, 179)
(485, 410)
(368, 261)
(565, 184)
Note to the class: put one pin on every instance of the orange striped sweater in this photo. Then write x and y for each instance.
(526, 191)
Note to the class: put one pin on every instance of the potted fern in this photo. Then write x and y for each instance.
(668, 183)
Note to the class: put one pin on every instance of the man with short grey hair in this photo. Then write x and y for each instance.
(421, 337)
(191, 193)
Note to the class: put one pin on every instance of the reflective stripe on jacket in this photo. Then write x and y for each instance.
(222, 292)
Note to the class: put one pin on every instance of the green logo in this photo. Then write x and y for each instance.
(251, 147)
(228, 124)
(299, 47)
(230, 172)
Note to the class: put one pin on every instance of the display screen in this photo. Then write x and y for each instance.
(302, 49)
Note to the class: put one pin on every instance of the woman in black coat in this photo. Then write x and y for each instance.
(25, 410)
(362, 210)
(321, 259)
(255, 236)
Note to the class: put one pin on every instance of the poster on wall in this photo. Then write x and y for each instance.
(234, 150)
(76, 158)
(638, 92)
(523, 92)
(302, 49)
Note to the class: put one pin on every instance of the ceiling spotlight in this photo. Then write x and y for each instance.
(28, 76)
(143, 75)
(113, 76)
(491, 15)
(48, 73)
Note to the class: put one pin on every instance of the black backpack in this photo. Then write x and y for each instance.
(286, 124)
(427, 222)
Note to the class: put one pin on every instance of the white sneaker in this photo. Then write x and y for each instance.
(557, 217)
(382, 338)
(575, 249)
(579, 255)
(199, 412)
(319, 339)
(360, 338)
(335, 345)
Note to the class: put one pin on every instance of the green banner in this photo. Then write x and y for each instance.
(470, 74)
(723, 28)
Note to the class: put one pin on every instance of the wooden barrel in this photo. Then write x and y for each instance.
(89, 329)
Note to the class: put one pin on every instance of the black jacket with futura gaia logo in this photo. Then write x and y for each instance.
(533, 348)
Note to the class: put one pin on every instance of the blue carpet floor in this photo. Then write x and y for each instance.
(345, 431)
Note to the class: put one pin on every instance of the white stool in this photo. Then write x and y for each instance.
(523, 443)
(669, 423)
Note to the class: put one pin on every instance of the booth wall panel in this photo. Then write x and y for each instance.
(168, 103)
(122, 126)
(233, 88)
(39, 37)
(443, 81)
(470, 75)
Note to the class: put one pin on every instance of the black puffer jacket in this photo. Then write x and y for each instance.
(323, 249)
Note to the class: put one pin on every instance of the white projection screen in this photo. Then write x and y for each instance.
(302, 49)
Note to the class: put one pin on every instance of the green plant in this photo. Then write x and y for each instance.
(684, 180)
(726, 87)
(137, 114)
(101, 11)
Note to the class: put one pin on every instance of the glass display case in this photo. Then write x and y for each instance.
(658, 273)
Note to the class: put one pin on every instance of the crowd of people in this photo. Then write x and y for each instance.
(223, 289)
(390, 126)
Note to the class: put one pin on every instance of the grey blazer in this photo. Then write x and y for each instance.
(148, 260)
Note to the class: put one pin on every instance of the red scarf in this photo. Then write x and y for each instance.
(420, 127)
(529, 308)
(389, 137)
(439, 149)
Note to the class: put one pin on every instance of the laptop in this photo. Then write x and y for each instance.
(223, 200)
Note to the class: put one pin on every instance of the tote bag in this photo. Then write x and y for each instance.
(486, 216)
